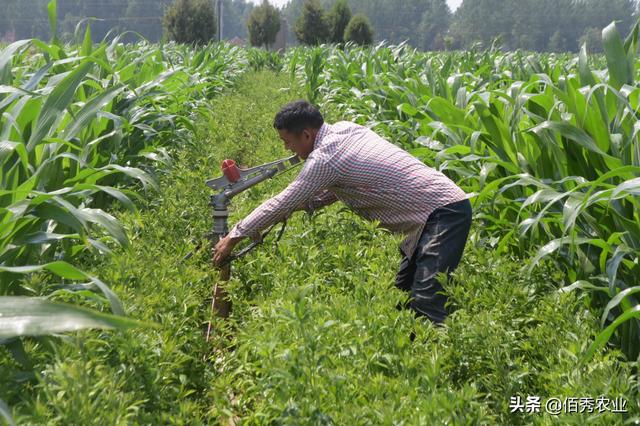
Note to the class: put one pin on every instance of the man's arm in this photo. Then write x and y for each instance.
(314, 178)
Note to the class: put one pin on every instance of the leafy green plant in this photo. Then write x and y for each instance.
(547, 145)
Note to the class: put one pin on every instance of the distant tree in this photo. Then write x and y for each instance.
(536, 22)
(311, 27)
(449, 42)
(339, 18)
(593, 38)
(557, 43)
(481, 21)
(359, 30)
(263, 25)
(434, 24)
(190, 21)
(540, 25)
(599, 14)
(393, 20)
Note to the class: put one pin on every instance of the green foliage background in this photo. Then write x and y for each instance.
(359, 30)
(190, 21)
(263, 25)
(540, 25)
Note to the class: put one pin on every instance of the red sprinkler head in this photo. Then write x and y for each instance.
(230, 170)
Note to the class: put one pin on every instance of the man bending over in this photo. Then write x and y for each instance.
(378, 181)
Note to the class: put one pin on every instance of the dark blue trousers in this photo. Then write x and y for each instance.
(439, 250)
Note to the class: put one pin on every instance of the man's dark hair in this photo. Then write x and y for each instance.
(297, 116)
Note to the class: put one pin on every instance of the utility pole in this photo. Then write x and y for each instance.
(220, 19)
(219, 10)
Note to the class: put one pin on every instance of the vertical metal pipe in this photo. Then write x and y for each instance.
(220, 304)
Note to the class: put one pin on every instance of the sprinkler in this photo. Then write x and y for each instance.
(233, 181)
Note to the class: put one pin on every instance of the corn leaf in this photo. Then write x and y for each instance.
(57, 101)
(5, 412)
(604, 336)
(619, 69)
(616, 301)
(89, 111)
(66, 270)
(30, 316)
(53, 18)
(6, 60)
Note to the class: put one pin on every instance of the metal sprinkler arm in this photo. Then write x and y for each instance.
(236, 180)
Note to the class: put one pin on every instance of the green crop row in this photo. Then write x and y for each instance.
(83, 130)
(546, 144)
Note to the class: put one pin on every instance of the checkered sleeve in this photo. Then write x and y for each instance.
(322, 199)
(314, 178)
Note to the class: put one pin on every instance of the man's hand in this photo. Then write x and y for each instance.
(223, 249)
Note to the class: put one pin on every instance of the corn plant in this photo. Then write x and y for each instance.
(83, 129)
(76, 121)
(547, 144)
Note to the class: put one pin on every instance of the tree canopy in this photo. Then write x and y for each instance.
(359, 30)
(190, 21)
(541, 25)
(312, 27)
(263, 25)
(521, 24)
(434, 25)
(339, 18)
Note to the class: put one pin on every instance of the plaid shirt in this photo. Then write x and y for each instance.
(376, 179)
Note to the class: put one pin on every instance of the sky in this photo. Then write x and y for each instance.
(453, 4)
